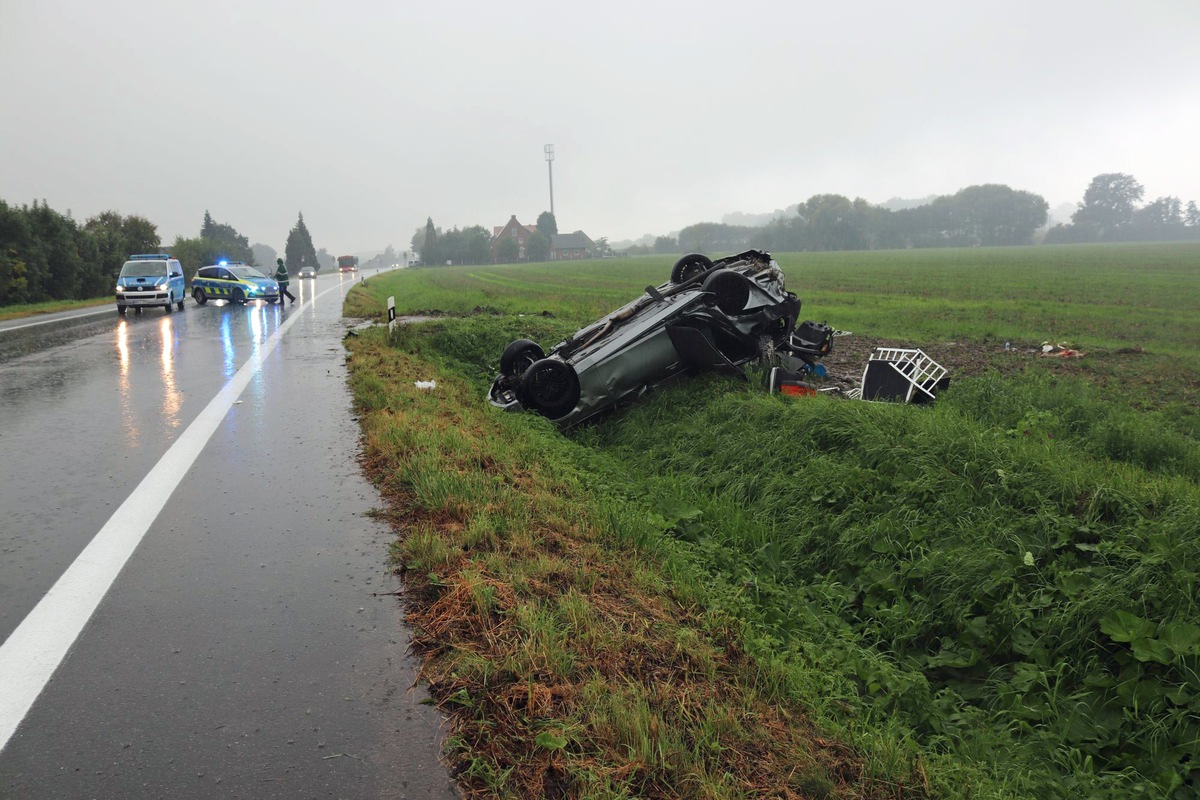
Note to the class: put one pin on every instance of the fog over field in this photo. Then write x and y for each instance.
(371, 116)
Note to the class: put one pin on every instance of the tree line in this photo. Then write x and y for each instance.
(473, 244)
(1110, 213)
(986, 215)
(47, 256)
(977, 216)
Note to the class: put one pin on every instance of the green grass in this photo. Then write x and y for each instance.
(50, 307)
(991, 597)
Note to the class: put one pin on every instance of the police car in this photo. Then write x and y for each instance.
(232, 281)
(150, 279)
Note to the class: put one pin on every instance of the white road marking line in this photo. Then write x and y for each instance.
(29, 657)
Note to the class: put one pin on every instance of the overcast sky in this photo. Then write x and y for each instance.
(370, 116)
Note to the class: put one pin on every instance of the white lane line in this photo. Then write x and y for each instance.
(58, 319)
(35, 649)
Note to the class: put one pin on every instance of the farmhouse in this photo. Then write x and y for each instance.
(570, 246)
(515, 232)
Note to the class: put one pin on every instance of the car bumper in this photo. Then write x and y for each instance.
(143, 298)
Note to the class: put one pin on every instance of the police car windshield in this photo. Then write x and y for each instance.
(144, 269)
(246, 272)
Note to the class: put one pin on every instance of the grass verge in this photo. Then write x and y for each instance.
(577, 653)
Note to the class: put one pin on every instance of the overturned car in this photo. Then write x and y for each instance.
(710, 316)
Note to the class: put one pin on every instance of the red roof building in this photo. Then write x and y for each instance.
(514, 231)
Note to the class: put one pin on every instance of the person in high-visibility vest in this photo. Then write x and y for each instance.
(281, 277)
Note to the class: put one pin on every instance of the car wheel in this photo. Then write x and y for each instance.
(239, 297)
(520, 356)
(549, 387)
(199, 296)
(730, 291)
(121, 310)
(690, 266)
(169, 301)
(179, 304)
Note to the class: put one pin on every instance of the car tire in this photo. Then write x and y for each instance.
(690, 266)
(169, 301)
(121, 310)
(549, 387)
(199, 296)
(730, 291)
(179, 304)
(520, 356)
(238, 297)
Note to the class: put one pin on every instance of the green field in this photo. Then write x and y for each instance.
(724, 594)
(1107, 296)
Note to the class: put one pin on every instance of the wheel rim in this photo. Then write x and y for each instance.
(524, 360)
(689, 267)
(551, 388)
(690, 270)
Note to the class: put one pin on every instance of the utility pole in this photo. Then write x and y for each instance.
(550, 166)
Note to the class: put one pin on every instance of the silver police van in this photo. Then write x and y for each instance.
(150, 279)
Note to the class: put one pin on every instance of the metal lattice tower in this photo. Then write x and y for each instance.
(549, 149)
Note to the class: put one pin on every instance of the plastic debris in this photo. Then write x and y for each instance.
(902, 374)
(425, 384)
(782, 381)
(1061, 351)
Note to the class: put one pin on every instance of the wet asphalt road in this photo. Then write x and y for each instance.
(241, 651)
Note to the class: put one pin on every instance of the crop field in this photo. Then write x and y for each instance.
(719, 593)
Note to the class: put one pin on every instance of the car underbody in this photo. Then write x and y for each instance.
(711, 316)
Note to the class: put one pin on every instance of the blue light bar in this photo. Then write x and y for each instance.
(223, 263)
(150, 257)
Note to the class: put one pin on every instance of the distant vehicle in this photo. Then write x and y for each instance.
(232, 281)
(347, 263)
(150, 279)
(307, 272)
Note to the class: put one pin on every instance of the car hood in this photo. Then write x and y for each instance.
(142, 280)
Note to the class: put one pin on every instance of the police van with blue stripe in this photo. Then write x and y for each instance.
(233, 281)
(150, 279)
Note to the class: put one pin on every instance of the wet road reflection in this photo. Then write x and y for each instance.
(172, 400)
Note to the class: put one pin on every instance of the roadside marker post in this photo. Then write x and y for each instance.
(391, 313)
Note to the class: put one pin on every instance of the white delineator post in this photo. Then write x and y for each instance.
(391, 313)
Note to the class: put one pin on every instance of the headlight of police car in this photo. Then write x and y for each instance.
(120, 288)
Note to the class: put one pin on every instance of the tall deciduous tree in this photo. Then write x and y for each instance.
(1109, 203)
(1191, 217)
(538, 248)
(507, 251)
(16, 240)
(547, 224)
(116, 239)
(196, 253)
(299, 251)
